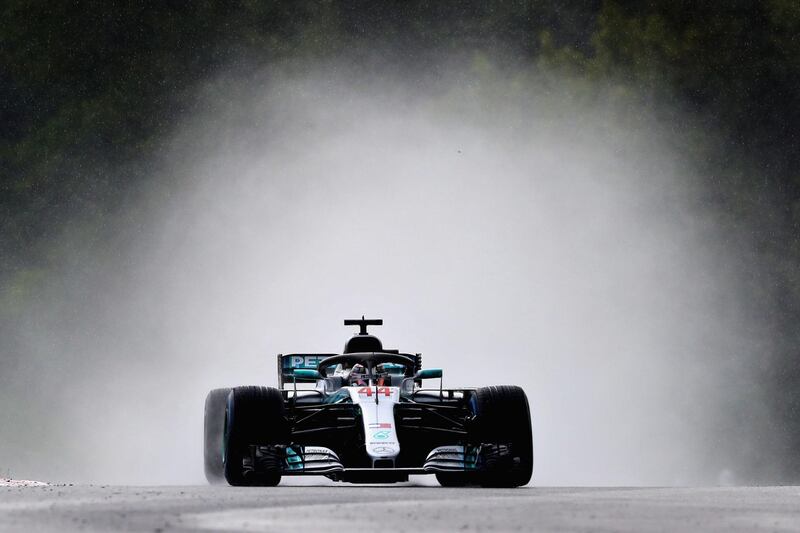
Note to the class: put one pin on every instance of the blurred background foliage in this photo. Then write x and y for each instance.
(89, 89)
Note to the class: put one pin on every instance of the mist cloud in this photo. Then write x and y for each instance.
(511, 235)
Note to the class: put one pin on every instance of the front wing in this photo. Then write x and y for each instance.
(296, 460)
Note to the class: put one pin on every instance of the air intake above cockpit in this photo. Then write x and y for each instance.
(363, 341)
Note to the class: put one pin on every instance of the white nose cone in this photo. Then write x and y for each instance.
(377, 412)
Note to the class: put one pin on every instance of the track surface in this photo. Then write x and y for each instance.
(397, 508)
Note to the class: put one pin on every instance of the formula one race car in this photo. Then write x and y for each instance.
(367, 419)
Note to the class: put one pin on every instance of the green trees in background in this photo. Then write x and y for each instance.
(736, 66)
(92, 86)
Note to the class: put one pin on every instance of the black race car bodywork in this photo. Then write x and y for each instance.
(364, 416)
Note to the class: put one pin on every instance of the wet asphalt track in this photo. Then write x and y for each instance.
(397, 508)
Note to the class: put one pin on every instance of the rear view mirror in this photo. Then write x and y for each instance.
(429, 373)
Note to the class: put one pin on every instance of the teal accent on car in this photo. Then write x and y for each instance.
(393, 368)
(306, 373)
(471, 457)
(293, 460)
(429, 373)
(337, 397)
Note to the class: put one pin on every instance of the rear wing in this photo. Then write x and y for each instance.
(287, 362)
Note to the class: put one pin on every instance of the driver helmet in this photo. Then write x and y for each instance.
(358, 374)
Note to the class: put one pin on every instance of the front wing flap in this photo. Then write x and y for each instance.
(298, 460)
(452, 459)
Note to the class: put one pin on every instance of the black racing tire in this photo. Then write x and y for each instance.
(254, 415)
(213, 432)
(455, 479)
(502, 416)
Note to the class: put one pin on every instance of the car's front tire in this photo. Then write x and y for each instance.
(455, 479)
(503, 420)
(213, 433)
(253, 416)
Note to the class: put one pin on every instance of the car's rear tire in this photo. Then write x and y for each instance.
(213, 432)
(502, 417)
(254, 415)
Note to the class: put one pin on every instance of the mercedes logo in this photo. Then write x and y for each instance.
(383, 450)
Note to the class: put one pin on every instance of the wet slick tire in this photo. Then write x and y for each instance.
(455, 479)
(213, 432)
(503, 419)
(253, 416)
